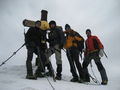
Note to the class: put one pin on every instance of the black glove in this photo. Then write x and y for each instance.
(74, 41)
(48, 40)
(61, 46)
(30, 44)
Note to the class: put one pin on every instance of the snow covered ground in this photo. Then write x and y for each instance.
(12, 77)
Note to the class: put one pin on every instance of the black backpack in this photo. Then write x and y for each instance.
(80, 43)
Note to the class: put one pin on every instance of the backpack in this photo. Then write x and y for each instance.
(74, 34)
(80, 43)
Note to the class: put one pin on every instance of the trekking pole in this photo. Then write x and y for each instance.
(64, 50)
(43, 67)
(105, 53)
(11, 56)
(94, 79)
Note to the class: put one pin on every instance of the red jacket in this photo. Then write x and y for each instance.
(93, 43)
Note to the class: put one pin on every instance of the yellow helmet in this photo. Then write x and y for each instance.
(44, 25)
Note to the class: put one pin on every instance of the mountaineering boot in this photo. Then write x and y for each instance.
(104, 77)
(48, 74)
(104, 82)
(38, 73)
(50, 70)
(31, 77)
(86, 76)
(29, 71)
(59, 70)
(81, 81)
(58, 78)
(74, 79)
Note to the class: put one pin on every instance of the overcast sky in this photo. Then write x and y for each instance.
(101, 16)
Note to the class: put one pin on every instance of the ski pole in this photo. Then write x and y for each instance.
(40, 62)
(105, 54)
(11, 55)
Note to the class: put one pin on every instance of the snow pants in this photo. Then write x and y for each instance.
(100, 67)
(57, 52)
(73, 58)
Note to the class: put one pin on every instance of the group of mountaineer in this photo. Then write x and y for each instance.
(69, 40)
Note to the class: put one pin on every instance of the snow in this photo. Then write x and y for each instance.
(12, 77)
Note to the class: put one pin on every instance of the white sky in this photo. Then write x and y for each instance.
(101, 16)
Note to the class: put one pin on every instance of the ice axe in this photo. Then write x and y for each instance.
(11, 55)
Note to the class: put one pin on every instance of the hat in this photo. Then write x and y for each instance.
(67, 26)
(88, 30)
(52, 22)
(37, 22)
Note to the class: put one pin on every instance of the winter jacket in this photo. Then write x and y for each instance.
(35, 36)
(72, 39)
(56, 36)
(93, 44)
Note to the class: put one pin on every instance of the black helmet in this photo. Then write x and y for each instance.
(52, 22)
(88, 30)
(38, 21)
(67, 26)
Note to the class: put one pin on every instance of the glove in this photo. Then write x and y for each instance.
(30, 44)
(43, 41)
(61, 46)
(74, 41)
(48, 40)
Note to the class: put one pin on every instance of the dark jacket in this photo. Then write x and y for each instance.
(56, 36)
(35, 36)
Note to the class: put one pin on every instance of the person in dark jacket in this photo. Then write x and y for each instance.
(93, 46)
(73, 45)
(56, 41)
(35, 40)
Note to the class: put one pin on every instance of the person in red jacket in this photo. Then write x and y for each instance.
(93, 46)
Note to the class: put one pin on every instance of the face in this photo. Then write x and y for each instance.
(88, 33)
(52, 26)
(38, 24)
(67, 28)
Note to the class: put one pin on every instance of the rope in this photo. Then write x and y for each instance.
(95, 78)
